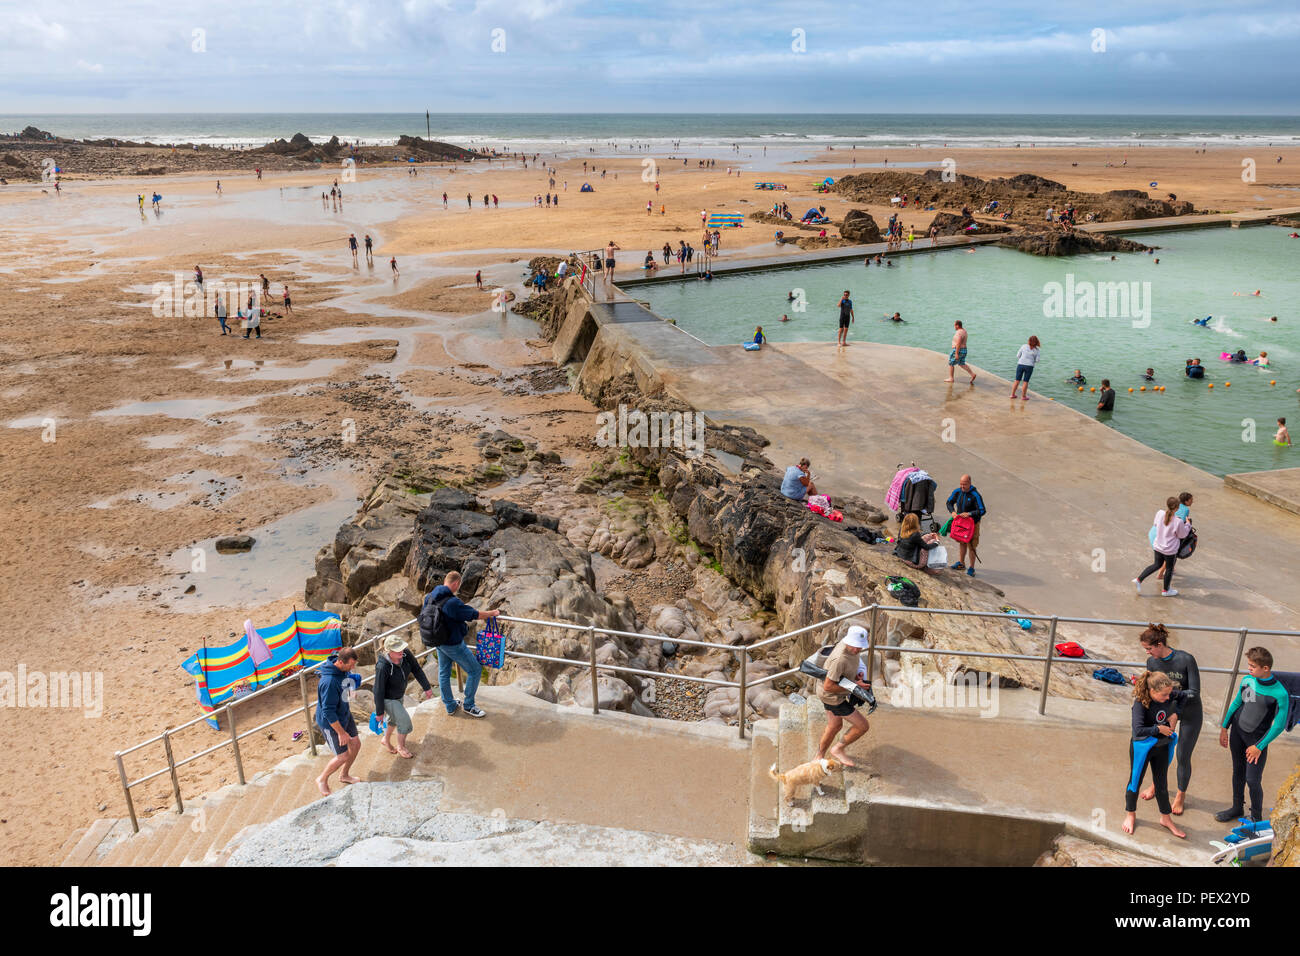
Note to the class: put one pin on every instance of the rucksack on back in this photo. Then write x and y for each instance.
(434, 629)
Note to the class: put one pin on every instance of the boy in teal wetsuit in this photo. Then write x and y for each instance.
(1256, 716)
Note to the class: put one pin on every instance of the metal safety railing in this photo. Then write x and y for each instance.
(829, 627)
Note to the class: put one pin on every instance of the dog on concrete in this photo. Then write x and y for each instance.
(807, 774)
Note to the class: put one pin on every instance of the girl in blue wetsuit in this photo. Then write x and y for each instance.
(1180, 667)
(1155, 721)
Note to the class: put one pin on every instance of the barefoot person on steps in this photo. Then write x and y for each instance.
(334, 717)
(840, 705)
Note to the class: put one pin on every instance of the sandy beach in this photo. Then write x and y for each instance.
(131, 439)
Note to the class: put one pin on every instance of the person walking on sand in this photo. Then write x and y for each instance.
(1170, 532)
(253, 322)
(1026, 359)
(845, 662)
(392, 264)
(266, 285)
(396, 666)
(966, 502)
(288, 303)
(846, 318)
(334, 717)
(957, 358)
(221, 314)
(478, 279)
(1180, 667)
(352, 245)
(370, 246)
(218, 187)
(444, 200)
(1154, 722)
(443, 620)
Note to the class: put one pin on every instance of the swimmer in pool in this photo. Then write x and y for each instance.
(1238, 356)
(1282, 437)
(1149, 375)
(895, 318)
(1202, 322)
(785, 318)
(1077, 379)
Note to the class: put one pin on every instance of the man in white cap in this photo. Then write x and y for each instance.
(840, 705)
(394, 668)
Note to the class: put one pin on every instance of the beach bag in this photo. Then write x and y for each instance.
(904, 590)
(377, 727)
(962, 528)
(1109, 675)
(1186, 549)
(1070, 649)
(938, 557)
(490, 650)
(822, 502)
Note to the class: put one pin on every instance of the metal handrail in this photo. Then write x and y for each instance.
(743, 684)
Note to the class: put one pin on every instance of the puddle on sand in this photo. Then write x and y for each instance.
(195, 408)
(199, 483)
(244, 369)
(36, 421)
(279, 563)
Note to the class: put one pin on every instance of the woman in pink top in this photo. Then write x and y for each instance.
(1170, 532)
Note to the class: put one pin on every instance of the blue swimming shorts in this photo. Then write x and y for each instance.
(958, 357)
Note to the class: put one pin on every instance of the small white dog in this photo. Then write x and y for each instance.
(811, 774)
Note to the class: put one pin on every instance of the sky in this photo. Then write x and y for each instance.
(668, 56)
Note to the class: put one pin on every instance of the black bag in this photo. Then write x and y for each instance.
(434, 629)
(1188, 546)
(907, 593)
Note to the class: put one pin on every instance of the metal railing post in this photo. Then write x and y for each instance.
(595, 685)
(171, 766)
(306, 711)
(126, 792)
(1236, 671)
(743, 689)
(234, 742)
(871, 642)
(1047, 666)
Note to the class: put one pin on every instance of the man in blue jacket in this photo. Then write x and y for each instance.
(449, 638)
(334, 690)
(966, 500)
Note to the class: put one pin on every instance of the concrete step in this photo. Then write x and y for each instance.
(124, 853)
(833, 798)
(763, 790)
(83, 851)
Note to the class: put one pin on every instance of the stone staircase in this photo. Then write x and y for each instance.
(827, 826)
(201, 835)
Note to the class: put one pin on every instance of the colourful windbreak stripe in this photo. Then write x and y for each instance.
(300, 640)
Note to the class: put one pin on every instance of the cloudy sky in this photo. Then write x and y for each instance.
(657, 56)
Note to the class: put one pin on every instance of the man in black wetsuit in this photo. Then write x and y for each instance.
(1181, 668)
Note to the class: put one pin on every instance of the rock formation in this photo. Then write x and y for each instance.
(859, 226)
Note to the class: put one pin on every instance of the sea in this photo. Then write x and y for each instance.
(684, 133)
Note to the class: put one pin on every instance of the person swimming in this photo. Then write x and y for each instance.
(1202, 322)
(1149, 375)
(1194, 369)
(1077, 379)
(1262, 361)
(785, 318)
(896, 317)
(789, 297)
(1239, 356)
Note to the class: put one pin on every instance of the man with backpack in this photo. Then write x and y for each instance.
(443, 620)
(967, 509)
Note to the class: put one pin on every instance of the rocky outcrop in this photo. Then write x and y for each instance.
(1026, 197)
(952, 224)
(1053, 241)
(859, 226)
(1286, 822)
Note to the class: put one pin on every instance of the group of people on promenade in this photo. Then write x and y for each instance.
(444, 624)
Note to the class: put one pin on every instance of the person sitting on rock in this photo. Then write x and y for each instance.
(913, 547)
(798, 481)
